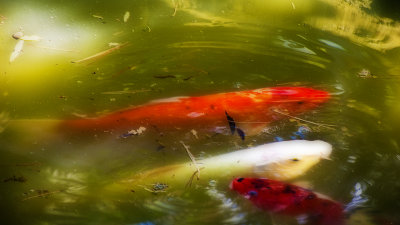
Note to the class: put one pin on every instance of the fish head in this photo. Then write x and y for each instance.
(291, 99)
(289, 159)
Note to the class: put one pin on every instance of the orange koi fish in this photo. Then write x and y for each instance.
(279, 197)
(251, 110)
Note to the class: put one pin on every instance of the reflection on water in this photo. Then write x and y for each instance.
(190, 48)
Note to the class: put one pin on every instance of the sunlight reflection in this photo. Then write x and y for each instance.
(58, 39)
(353, 22)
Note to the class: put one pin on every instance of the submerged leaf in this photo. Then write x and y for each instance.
(17, 50)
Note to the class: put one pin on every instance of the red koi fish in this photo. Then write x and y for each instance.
(279, 197)
(251, 111)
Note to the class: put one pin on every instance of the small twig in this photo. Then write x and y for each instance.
(101, 54)
(153, 191)
(149, 29)
(190, 181)
(193, 159)
(175, 9)
(150, 190)
(41, 195)
(328, 126)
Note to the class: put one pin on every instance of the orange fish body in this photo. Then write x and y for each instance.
(251, 110)
(279, 197)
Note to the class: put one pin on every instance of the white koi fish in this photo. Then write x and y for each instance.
(279, 160)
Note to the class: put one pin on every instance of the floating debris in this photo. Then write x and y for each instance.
(139, 131)
(101, 54)
(197, 173)
(20, 44)
(18, 35)
(125, 92)
(328, 126)
(147, 28)
(156, 188)
(118, 33)
(188, 78)
(113, 44)
(364, 73)
(14, 178)
(17, 50)
(176, 5)
(126, 16)
(42, 193)
(164, 76)
(194, 132)
(98, 17)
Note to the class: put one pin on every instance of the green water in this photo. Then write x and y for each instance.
(201, 47)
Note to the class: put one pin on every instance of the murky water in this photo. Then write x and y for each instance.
(190, 48)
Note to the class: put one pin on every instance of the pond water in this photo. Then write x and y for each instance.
(163, 49)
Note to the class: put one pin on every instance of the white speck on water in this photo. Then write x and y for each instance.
(332, 44)
(352, 159)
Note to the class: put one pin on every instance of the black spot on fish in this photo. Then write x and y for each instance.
(252, 193)
(300, 102)
(240, 179)
(212, 107)
(240, 133)
(231, 123)
(295, 160)
(258, 184)
(289, 189)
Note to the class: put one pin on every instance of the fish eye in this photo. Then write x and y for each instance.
(295, 160)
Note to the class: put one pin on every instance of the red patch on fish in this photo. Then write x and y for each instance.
(252, 110)
(279, 197)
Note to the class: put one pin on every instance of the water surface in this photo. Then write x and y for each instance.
(189, 48)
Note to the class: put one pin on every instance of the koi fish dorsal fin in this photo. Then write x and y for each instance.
(165, 100)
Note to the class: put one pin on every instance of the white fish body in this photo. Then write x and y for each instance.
(278, 160)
